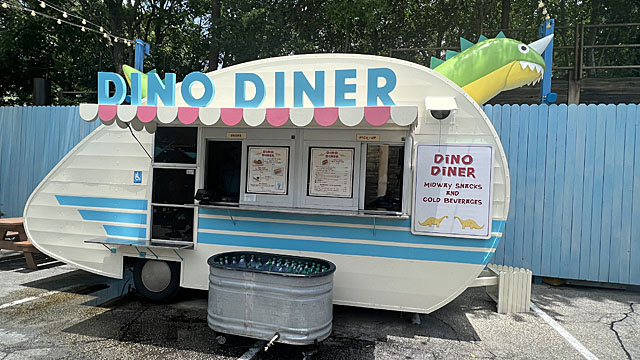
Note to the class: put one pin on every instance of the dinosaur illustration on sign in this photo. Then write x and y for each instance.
(491, 66)
(433, 221)
(469, 223)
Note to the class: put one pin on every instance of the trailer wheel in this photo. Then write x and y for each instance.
(157, 280)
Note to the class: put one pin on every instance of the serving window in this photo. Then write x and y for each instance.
(384, 177)
(307, 169)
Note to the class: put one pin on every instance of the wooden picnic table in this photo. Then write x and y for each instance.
(13, 237)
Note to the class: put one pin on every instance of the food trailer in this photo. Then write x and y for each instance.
(384, 167)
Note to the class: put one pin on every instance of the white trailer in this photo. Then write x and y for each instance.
(384, 167)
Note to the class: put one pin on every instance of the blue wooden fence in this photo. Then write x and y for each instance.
(575, 181)
(32, 141)
(575, 190)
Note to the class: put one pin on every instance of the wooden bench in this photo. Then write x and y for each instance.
(13, 237)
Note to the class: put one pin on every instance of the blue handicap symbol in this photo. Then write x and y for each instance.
(137, 177)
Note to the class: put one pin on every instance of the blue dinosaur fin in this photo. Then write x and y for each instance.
(435, 62)
(482, 38)
(500, 35)
(451, 54)
(465, 44)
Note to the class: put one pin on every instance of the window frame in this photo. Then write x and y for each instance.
(405, 174)
(176, 166)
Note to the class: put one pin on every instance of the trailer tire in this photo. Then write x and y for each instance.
(157, 280)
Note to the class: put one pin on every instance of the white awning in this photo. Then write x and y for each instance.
(149, 116)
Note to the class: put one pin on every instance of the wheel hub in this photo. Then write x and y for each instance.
(156, 275)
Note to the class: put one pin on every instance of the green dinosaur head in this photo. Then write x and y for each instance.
(493, 65)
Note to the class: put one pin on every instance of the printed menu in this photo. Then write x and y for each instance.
(268, 169)
(331, 172)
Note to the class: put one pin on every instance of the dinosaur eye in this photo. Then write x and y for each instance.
(523, 48)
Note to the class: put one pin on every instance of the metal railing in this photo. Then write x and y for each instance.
(569, 41)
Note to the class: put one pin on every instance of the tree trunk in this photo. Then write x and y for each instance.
(116, 15)
(214, 38)
(506, 13)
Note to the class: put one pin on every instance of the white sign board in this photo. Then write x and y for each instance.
(268, 169)
(453, 187)
(331, 172)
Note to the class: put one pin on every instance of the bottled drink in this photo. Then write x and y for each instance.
(242, 261)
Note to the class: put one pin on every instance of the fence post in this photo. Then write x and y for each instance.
(142, 49)
(546, 96)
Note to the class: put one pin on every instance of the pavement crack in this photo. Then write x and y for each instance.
(611, 324)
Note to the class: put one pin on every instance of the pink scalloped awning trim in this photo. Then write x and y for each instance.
(377, 115)
(147, 113)
(107, 112)
(277, 116)
(231, 116)
(188, 115)
(325, 116)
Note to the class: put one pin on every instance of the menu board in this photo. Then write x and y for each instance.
(268, 170)
(331, 172)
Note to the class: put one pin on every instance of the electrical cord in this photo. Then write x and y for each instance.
(135, 137)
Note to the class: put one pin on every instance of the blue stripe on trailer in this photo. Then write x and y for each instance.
(110, 216)
(496, 225)
(126, 231)
(329, 247)
(340, 232)
(113, 203)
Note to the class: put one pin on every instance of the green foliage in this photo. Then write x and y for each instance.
(183, 34)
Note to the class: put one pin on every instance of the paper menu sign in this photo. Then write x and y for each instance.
(453, 188)
(267, 170)
(331, 172)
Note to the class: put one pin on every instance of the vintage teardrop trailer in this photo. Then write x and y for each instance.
(384, 167)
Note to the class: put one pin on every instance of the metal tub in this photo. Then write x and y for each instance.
(260, 299)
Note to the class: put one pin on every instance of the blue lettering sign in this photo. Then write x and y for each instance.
(342, 88)
(374, 92)
(279, 89)
(163, 90)
(209, 89)
(302, 85)
(136, 88)
(104, 78)
(241, 90)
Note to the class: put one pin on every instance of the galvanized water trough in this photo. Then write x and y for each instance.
(270, 296)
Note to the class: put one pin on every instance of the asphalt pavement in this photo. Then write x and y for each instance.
(59, 312)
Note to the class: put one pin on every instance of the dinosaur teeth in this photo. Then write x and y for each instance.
(532, 66)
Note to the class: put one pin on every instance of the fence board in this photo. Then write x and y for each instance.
(33, 140)
(628, 116)
(634, 266)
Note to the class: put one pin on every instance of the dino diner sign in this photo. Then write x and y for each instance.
(453, 187)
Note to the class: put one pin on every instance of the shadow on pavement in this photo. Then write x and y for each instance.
(15, 261)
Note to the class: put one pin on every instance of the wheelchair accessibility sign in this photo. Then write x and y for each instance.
(137, 177)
